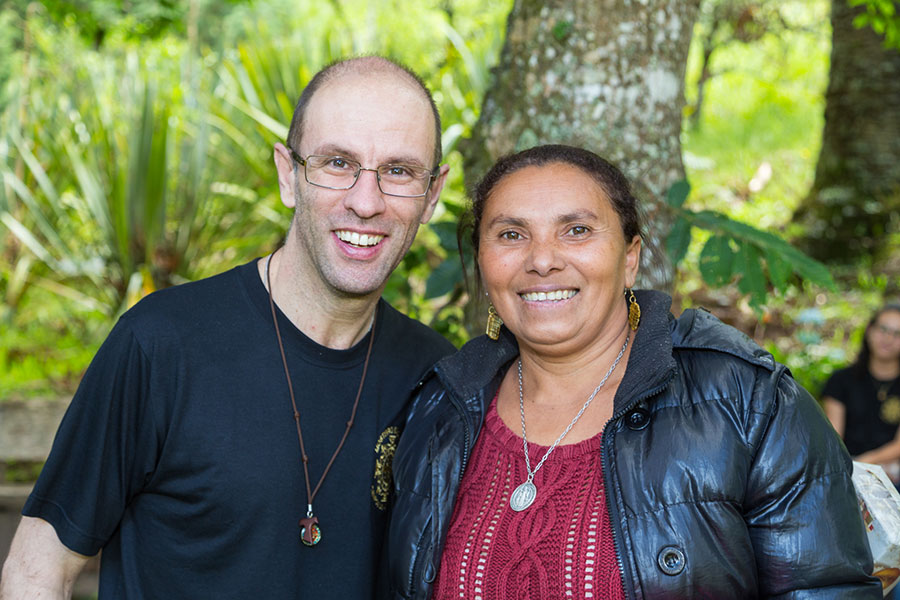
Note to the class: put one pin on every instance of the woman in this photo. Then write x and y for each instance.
(863, 400)
(599, 447)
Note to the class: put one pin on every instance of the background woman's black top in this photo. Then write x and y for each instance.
(870, 422)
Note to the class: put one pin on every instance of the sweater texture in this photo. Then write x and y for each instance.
(559, 547)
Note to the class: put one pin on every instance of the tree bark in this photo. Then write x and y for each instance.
(854, 200)
(607, 75)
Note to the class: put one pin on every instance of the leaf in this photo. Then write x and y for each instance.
(780, 270)
(678, 193)
(278, 129)
(808, 268)
(562, 29)
(446, 232)
(715, 261)
(450, 137)
(474, 69)
(27, 239)
(443, 279)
(34, 208)
(678, 240)
(748, 263)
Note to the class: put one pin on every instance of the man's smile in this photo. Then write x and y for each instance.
(356, 239)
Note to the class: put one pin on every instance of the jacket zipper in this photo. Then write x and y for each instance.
(466, 434)
(618, 529)
(431, 525)
(410, 585)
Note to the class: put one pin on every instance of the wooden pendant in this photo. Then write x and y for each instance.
(310, 533)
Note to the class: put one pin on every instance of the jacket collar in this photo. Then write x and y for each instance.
(650, 364)
(475, 371)
(470, 371)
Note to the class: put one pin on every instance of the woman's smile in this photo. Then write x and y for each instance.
(554, 296)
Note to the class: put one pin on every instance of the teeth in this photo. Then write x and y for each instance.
(354, 238)
(554, 296)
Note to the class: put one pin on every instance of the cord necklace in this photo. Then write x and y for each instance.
(310, 531)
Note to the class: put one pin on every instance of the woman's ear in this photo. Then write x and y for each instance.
(632, 260)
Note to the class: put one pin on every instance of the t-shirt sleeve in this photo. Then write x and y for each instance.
(836, 387)
(105, 448)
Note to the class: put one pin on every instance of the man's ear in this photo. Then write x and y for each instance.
(285, 166)
(434, 194)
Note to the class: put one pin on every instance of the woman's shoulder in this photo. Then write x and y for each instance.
(699, 329)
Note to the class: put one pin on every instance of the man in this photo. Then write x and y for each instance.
(196, 451)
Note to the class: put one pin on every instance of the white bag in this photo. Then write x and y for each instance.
(879, 503)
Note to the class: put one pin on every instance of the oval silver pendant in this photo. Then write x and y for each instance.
(523, 496)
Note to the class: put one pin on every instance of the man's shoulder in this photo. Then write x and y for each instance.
(413, 338)
(187, 306)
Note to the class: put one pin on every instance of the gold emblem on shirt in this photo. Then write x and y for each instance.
(384, 460)
(890, 410)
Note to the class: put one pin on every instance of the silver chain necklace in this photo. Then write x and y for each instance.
(524, 495)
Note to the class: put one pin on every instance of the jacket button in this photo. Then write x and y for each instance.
(671, 560)
(637, 419)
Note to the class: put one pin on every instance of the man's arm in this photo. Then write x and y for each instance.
(39, 566)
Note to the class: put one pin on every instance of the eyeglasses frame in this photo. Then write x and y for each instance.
(885, 330)
(295, 156)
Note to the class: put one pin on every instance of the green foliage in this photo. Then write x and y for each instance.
(100, 22)
(883, 17)
(561, 30)
(815, 332)
(147, 164)
(110, 187)
(150, 162)
(46, 344)
(759, 260)
(20, 471)
(752, 155)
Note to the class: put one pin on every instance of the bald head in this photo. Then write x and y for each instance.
(364, 66)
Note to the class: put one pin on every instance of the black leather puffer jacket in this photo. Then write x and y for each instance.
(723, 477)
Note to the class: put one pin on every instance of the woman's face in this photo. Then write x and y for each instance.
(884, 336)
(554, 259)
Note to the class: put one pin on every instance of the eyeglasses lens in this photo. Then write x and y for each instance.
(894, 333)
(340, 173)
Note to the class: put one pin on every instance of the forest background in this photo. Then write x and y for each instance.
(136, 141)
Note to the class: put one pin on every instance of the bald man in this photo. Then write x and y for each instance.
(232, 438)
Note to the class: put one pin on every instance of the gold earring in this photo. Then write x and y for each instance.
(634, 310)
(493, 323)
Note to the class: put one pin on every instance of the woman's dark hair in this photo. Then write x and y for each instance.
(613, 183)
(861, 366)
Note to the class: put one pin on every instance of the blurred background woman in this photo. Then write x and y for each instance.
(862, 401)
(594, 446)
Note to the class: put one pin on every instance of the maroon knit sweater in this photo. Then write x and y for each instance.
(559, 547)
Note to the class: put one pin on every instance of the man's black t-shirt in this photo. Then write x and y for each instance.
(869, 422)
(179, 455)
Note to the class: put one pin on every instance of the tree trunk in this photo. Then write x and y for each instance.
(856, 194)
(607, 75)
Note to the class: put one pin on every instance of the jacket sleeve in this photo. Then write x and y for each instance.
(800, 490)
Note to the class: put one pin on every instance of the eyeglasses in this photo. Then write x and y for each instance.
(894, 333)
(341, 173)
